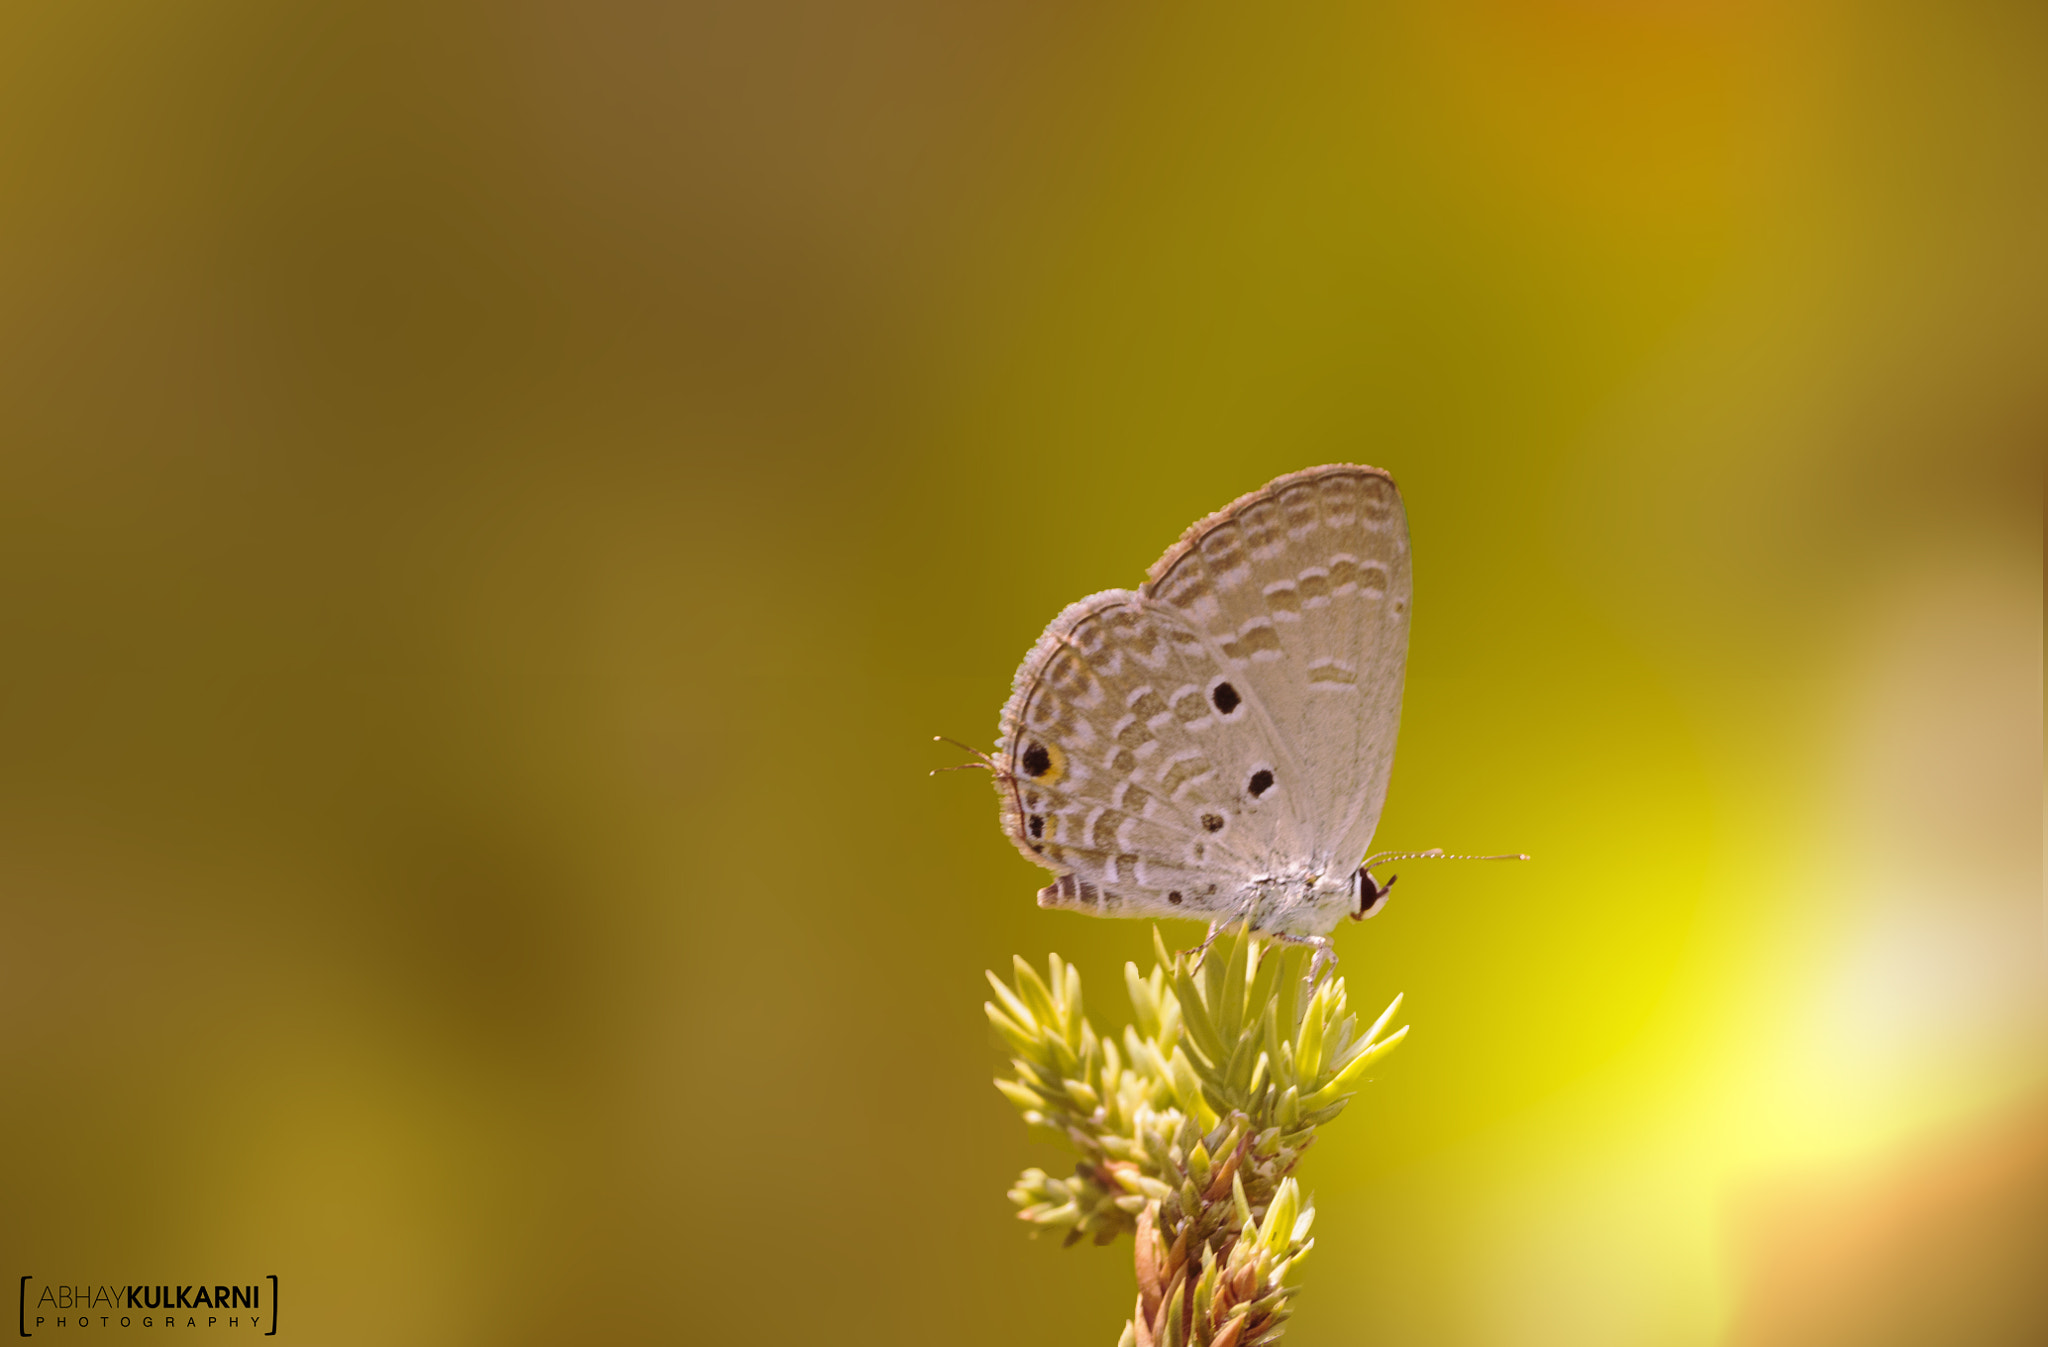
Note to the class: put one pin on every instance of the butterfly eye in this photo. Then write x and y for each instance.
(1212, 823)
(1173, 896)
(1037, 761)
(1036, 825)
(1261, 782)
(1225, 697)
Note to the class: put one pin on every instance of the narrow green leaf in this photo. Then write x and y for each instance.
(1169, 1020)
(1063, 1057)
(1337, 1041)
(1019, 1041)
(1227, 1011)
(1156, 1147)
(1187, 1089)
(1281, 1058)
(1040, 1078)
(1265, 972)
(1015, 1008)
(1067, 1213)
(1073, 997)
(1235, 1078)
(1287, 982)
(1035, 993)
(1372, 1034)
(1205, 1289)
(1323, 1115)
(1215, 966)
(1144, 1005)
(1137, 1050)
(1344, 1081)
(1308, 1046)
(1286, 1204)
(1019, 1095)
(1194, 1016)
(1199, 1165)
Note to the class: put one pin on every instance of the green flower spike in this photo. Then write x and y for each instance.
(1189, 1135)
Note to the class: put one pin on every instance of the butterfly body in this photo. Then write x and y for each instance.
(1216, 743)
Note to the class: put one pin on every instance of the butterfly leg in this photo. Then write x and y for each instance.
(1216, 928)
(1325, 950)
(1325, 955)
(1219, 926)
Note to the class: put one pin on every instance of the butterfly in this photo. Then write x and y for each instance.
(1216, 743)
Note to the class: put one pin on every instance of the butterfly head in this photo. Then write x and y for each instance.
(1368, 895)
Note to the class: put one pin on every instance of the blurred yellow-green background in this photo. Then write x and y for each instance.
(495, 500)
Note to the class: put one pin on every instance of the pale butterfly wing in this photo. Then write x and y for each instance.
(1304, 587)
(1233, 719)
(1121, 770)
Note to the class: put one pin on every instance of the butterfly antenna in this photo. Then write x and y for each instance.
(981, 759)
(1434, 854)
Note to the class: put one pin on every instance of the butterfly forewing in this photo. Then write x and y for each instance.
(1303, 590)
(1164, 749)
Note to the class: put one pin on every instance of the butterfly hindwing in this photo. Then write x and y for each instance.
(1125, 754)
